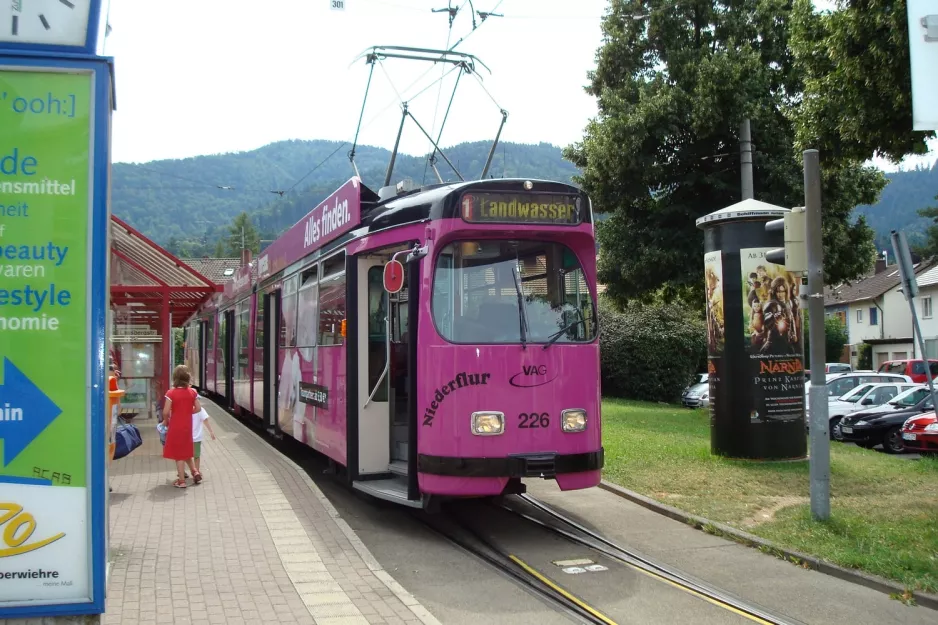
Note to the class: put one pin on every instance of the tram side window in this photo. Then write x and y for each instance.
(210, 337)
(259, 323)
(307, 308)
(288, 313)
(332, 301)
(377, 331)
(243, 338)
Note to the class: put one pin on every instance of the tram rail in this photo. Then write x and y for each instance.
(588, 538)
(513, 567)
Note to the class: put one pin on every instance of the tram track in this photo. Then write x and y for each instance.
(586, 537)
(516, 569)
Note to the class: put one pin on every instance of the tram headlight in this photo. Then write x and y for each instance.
(488, 423)
(573, 420)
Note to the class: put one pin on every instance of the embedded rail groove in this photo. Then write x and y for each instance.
(520, 572)
(664, 573)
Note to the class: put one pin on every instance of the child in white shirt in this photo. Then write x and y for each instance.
(198, 418)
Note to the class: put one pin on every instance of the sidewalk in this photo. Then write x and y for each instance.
(257, 541)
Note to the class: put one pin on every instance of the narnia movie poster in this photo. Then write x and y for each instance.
(713, 272)
(773, 332)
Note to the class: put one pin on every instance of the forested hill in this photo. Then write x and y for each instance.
(189, 204)
(899, 203)
(197, 198)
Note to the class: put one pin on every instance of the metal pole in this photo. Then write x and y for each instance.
(820, 450)
(745, 153)
(910, 290)
(921, 344)
(397, 143)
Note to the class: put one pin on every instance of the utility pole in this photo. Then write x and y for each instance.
(820, 449)
(745, 160)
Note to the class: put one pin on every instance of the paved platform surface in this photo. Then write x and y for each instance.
(256, 542)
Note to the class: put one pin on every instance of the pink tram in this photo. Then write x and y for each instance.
(432, 342)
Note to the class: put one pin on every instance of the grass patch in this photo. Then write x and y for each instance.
(884, 509)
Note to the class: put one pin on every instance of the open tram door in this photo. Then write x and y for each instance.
(383, 439)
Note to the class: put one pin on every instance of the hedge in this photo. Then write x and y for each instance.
(650, 351)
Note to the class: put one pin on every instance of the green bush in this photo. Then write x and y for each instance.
(865, 356)
(649, 351)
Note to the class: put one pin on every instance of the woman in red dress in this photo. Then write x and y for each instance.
(181, 402)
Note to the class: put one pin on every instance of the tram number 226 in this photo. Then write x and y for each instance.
(533, 420)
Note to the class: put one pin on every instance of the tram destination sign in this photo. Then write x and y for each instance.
(556, 209)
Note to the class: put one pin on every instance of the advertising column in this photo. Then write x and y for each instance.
(46, 159)
(755, 338)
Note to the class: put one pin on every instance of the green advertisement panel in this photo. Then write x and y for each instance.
(45, 195)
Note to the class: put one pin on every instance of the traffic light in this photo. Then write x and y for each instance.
(794, 256)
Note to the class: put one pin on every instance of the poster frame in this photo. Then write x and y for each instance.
(100, 70)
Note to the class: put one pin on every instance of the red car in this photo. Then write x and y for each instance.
(920, 434)
(915, 369)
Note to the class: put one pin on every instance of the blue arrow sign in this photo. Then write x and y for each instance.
(25, 411)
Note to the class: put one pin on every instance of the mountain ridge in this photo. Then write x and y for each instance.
(188, 204)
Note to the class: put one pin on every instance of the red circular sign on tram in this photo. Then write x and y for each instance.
(393, 276)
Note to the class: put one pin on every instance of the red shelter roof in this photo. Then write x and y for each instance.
(144, 277)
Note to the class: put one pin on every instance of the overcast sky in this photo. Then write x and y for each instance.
(212, 76)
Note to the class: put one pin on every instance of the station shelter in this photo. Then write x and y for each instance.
(152, 292)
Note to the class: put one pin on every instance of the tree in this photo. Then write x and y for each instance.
(929, 249)
(857, 80)
(835, 338)
(671, 91)
(242, 233)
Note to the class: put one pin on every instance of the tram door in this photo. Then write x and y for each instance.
(398, 375)
(271, 305)
(386, 461)
(230, 361)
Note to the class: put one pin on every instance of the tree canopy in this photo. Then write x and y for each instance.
(674, 79)
(857, 80)
(929, 247)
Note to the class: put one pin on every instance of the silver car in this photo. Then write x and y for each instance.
(697, 395)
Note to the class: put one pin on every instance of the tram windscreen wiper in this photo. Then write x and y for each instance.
(556, 335)
(522, 318)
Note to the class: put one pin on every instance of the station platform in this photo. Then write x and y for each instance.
(256, 541)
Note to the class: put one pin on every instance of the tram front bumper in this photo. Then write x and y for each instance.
(544, 465)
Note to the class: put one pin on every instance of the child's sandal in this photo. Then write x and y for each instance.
(179, 483)
(197, 477)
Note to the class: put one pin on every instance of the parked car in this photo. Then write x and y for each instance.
(697, 395)
(915, 369)
(918, 397)
(863, 396)
(837, 367)
(839, 384)
(920, 434)
(884, 429)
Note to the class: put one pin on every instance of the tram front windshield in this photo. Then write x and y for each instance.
(500, 292)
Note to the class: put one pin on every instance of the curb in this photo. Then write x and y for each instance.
(405, 597)
(873, 582)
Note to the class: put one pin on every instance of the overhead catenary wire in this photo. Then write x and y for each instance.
(400, 99)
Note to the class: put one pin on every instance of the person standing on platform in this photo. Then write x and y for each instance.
(198, 418)
(178, 408)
